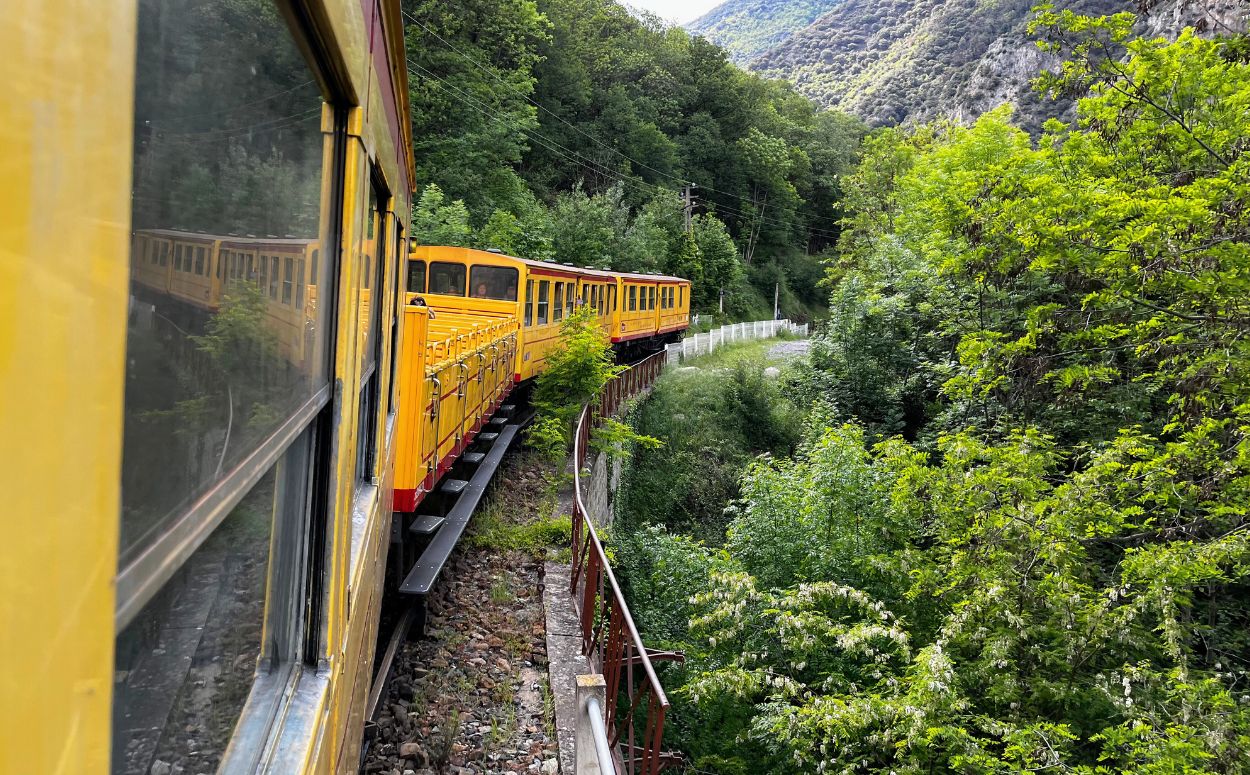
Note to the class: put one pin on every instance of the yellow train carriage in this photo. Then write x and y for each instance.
(651, 306)
(636, 318)
(194, 578)
(674, 306)
(453, 378)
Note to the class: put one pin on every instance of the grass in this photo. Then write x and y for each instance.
(500, 592)
(494, 531)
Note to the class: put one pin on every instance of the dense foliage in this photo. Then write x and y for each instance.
(1014, 536)
(566, 130)
(748, 28)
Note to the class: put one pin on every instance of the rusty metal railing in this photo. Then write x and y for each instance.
(609, 636)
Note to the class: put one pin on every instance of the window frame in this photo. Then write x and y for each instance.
(541, 314)
(294, 580)
(557, 306)
(472, 281)
(529, 303)
(464, 278)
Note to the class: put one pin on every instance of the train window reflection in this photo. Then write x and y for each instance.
(228, 154)
(529, 303)
(557, 310)
(184, 666)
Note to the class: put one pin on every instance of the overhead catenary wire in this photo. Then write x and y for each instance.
(472, 60)
(577, 158)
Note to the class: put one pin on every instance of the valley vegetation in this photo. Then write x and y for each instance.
(566, 130)
(997, 520)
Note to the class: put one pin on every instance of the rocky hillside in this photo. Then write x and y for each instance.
(890, 61)
(749, 28)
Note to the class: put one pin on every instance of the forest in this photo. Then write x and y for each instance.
(568, 130)
(996, 521)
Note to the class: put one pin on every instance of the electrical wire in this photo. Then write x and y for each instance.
(575, 128)
(577, 158)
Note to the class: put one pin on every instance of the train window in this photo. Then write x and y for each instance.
(651, 298)
(493, 282)
(220, 399)
(287, 279)
(633, 298)
(544, 288)
(569, 300)
(529, 303)
(299, 283)
(416, 277)
(447, 278)
(557, 310)
(681, 296)
(264, 273)
(312, 276)
(397, 254)
(373, 303)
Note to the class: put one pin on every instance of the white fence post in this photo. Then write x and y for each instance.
(585, 755)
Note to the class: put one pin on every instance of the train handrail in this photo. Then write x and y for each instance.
(602, 596)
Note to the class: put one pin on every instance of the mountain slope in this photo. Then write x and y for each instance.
(748, 28)
(890, 61)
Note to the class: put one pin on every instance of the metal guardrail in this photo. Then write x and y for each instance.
(609, 636)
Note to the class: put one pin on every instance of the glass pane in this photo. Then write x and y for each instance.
(493, 282)
(544, 288)
(370, 294)
(228, 157)
(529, 302)
(558, 308)
(184, 667)
(416, 277)
(447, 279)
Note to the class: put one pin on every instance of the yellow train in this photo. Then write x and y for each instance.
(199, 417)
(217, 362)
(492, 320)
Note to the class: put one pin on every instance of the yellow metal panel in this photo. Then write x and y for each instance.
(64, 257)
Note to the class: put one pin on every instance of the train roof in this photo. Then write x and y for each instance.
(551, 265)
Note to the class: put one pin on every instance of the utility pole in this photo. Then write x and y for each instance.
(687, 198)
(776, 301)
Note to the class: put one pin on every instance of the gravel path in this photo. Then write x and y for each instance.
(789, 349)
(473, 696)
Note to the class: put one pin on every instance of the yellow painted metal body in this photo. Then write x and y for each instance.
(65, 287)
(492, 320)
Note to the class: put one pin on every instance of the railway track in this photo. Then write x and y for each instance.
(401, 615)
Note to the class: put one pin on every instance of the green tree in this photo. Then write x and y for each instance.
(438, 222)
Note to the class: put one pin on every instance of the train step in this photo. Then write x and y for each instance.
(425, 524)
(453, 487)
(487, 438)
(497, 422)
(473, 458)
(507, 410)
(427, 568)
